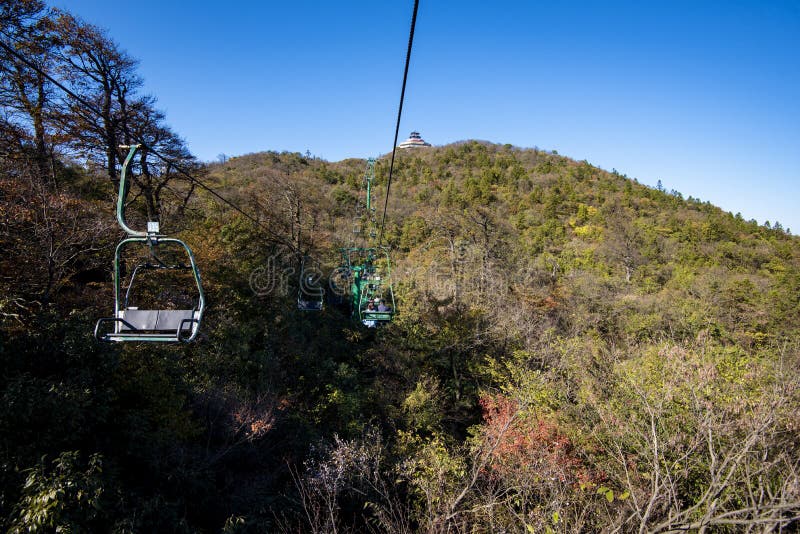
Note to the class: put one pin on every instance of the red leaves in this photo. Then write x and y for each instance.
(523, 444)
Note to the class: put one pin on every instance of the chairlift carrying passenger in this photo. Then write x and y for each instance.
(372, 297)
(368, 269)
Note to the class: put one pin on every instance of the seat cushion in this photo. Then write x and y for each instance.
(156, 320)
(139, 319)
(172, 319)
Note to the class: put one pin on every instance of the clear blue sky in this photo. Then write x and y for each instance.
(702, 95)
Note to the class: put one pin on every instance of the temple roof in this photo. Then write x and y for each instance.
(414, 141)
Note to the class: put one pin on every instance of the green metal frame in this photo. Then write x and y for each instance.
(123, 193)
(123, 330)
(365, 284)
(359, 263)
(366, 220)
(369, 177)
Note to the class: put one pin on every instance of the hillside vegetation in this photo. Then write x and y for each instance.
(573, 351)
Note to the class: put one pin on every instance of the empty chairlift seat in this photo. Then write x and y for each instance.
(156, 320)
(151, 325)
(129, 322)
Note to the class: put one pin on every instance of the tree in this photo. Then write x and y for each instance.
(144, 124)
(624, 241)
(25, 92)
(17, 14)
(104, 76)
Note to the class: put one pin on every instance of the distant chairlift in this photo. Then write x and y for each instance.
(371, 293)
(148, 325)
(311, 293)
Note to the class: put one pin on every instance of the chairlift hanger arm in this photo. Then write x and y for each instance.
(123, 193)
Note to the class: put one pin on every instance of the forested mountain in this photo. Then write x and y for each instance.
(573, 351)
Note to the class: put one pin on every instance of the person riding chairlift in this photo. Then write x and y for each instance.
(368, 322)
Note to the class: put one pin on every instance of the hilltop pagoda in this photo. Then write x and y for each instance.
(413, 141)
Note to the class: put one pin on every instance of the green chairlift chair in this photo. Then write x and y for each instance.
(148, 325)
(371, 293)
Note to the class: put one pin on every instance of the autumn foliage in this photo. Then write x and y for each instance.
(528, 446)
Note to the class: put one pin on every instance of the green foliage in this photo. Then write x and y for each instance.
(422, 406)
(66, 498)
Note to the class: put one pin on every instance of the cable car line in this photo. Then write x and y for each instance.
(367, 270)
(399, 114)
